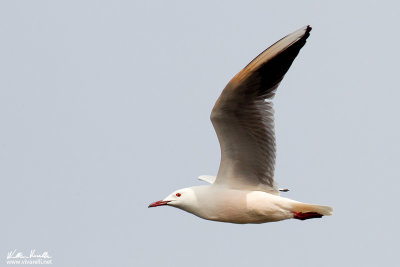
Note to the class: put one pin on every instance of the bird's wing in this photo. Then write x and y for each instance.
(243, 117)
(207, 178)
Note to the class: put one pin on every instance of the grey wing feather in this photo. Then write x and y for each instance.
(243, 117)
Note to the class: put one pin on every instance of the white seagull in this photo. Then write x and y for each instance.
(244, 190)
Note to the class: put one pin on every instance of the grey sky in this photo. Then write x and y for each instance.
(104, 108)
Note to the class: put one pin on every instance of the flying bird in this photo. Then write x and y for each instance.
(244, 190)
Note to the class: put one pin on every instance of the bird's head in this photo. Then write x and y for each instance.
(180, 199)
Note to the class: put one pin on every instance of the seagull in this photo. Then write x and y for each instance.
(244, 190)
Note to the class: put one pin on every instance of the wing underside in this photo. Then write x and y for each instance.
(243, 117)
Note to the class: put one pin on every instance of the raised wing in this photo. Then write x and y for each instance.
(243, 117)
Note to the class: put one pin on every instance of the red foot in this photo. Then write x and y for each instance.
(307, 215)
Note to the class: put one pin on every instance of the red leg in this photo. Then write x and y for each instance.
(306, 215)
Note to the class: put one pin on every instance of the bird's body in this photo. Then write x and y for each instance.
(244, 190)
(219, 203)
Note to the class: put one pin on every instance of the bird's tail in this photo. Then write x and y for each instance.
(304, 211)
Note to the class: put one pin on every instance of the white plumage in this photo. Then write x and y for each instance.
(243, 117)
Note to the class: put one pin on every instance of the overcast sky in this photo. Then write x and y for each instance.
(104, 108)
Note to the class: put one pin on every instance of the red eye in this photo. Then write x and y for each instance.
(178, 194)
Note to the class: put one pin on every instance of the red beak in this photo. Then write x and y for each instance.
(158, 203)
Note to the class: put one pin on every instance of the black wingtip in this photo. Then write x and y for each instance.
(307, 33)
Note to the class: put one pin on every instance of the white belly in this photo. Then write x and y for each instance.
(236, 206)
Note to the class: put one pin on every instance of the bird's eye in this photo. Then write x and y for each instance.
(178, 194)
